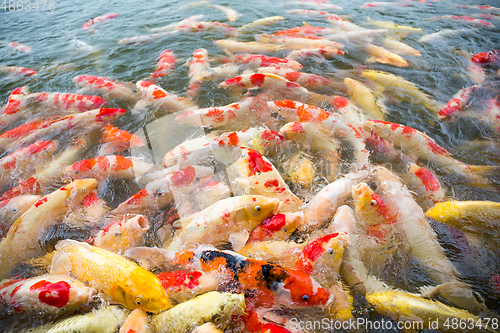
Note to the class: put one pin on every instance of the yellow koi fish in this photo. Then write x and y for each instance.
(119, 278)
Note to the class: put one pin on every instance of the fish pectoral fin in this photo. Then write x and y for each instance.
(461, 295)
(239, 239)
(61, 263)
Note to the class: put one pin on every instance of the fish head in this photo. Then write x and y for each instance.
(304, 290)
(258, 208)
(370, 206)
(152, 299)
(486, 57)
(82, 187)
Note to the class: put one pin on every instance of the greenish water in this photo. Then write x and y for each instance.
(440, 72)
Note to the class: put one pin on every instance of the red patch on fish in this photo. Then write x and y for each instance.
(487, 57)
(312, 252)
(428, 179)
(435, 148)
(257, 79)
(84, 165)
(271, 183)
(292, 76)
(340, 102)
(183, 177)
(40, 202)
(234, 81)
(297, 127)
(273, 328)
(179, 280)
(53, 294)
(90, 200)
(271, 135)
(256, 163)
(137, 198)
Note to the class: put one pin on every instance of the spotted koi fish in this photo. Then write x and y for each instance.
(315, 53)
(426, 183)
(15, 104)
(307, 80)
(17, 70)
(260, 60)
(278, 226)
(96, 20)
(109, 88)
(305, 41)
(233, 46)
(47, 295)
(302, 31)
(457, 103)
(198, 64)
(161, 98)
(465, 19)
(203, 26)
(67, 102)
(45, 212)
(115, 140)
(182, 285)
(165, 64)
(17, 46)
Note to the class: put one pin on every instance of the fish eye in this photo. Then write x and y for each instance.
(373, 202)
(138, 301)
(305, 298)
(330, 251)
(257, 208)
(216, 318)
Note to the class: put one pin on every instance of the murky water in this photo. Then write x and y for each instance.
(440, 72)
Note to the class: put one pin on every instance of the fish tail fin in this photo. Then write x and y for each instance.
(484, 170)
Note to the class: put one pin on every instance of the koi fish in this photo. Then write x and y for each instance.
(45, 212)
(198, 64)
(257, 175)
(15, 104)
(268, 283)
(215, 307)
(17, 46)
(307, 80)
(25, 161)
(68, 102)
(203, 26)
(400, 47)
(400, 30)
(109, 88)
(146, 38)
(378, 4)
(491, 9)
(17, 70)
(115, 140)
(161, 98)
(379, 54)
(342, 24)
(323, 205)
(260, 60)
(400, 305)
(228, 219)
(318, 53)
(231, 14)
(175, 25)
(233, 46)
(427, 183)
(300, 170)
(280, 252)
(487, 57)
(363, 97)
(207, 328)
(302, 31)
(306, 41)
(122, 234)
(96, 20)
(357, 37)
(277, 227)
(252, 26)
(183, 285)
(47, 295)
(11, 209)
(441, 34)
(464, 19)
(457, 102)
(119, 278)
(165, 64)
(137, 321)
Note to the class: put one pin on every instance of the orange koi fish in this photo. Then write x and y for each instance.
(47, 295)
(165, 65)
(98, 19)
(487, 57)
(115, 140)
(109, 88)
(427, 183)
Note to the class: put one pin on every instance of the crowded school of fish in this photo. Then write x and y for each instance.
(294, 202)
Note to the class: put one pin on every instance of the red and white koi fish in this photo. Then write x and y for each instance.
(90, 213)
(115, 140)
(45, 212)
(303, 31)
(226, 220)
(137, 322)
(198, 64)
(108, 87)
(231, 14)
(15, 104)
(165, 65)
(318, 52)
(182, 285)
(96, 20)
(17, 46)
(457, 102)
(487, 57)
(161, 98)
(109, 166)
(233, 46)
(32, 131)
(158, 193)
(221, 116)
(253, 26)
(306, 41)
(278, 226)
(493, 113)
(65, 101)
(306, 80)
(47, 295)
(260, 60)
(378, 4)
(11, 209)
(123, 234)
(323, 205)
(257, 175)
(491, 9)
(25, 161)
(203, 26)
(426, 183)
(465, 19)
(175, 25)
(17, 70)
